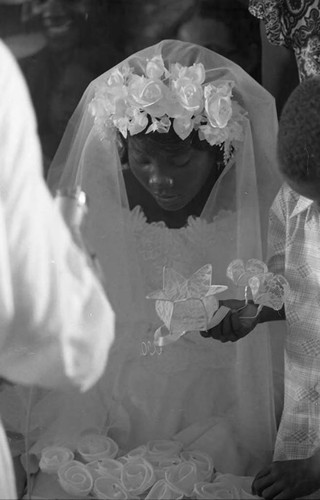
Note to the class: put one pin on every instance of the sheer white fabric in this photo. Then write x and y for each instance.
(212, 396)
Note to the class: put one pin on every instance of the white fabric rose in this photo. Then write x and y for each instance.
(182, 477)
(52, 457)
(137, 476)
(140, 451)
(109, 488)
(155, 68)
(164, 464)
(161, 490)
(93, 447)
(150, 95)
(225, 486)
(105, 467)
(202, 461)
(189, 94)
(218, 104)
(75, 479)
(161, 449)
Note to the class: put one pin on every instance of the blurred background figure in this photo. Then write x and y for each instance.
(60, 45)
(226, 27)
(147, 22)
(290, 33)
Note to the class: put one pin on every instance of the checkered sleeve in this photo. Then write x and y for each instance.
(277, 234)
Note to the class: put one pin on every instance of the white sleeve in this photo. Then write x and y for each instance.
(56, 324)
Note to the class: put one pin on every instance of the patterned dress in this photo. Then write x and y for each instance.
(295, 24)
(295, 240)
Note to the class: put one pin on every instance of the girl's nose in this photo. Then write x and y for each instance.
(159, 182)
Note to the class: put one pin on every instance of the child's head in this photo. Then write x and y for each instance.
(172, 170)
(299, 139)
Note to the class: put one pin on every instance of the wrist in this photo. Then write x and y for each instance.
(268, 314)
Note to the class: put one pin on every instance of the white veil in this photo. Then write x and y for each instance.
(217, 397)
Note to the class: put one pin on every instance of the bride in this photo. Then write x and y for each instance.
(175, 148)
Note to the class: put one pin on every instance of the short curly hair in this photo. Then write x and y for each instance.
(299, 133)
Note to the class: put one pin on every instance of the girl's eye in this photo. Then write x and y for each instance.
(180, 162)
(139, 159)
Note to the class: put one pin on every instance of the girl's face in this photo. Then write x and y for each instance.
(172, 174)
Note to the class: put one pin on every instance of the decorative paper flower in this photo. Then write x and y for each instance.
(177, 97)
(186, 304)
(240, 272)
(105, 467)
(161, 490)
(182, 477)
(109, 488)
(53, 457)
(267, 289)
(93, 447)
(75, 479)
(202, 461)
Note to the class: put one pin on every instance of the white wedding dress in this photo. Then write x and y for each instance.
(189, 391)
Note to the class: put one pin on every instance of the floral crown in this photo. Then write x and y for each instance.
(161, 99)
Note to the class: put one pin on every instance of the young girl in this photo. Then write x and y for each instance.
(175, 148)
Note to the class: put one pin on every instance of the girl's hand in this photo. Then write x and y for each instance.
(240, 321)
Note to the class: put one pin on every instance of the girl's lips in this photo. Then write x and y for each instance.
(168, 201)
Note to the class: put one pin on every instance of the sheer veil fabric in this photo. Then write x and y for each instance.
(221, 398)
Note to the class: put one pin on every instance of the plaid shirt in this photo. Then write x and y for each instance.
(295, 246)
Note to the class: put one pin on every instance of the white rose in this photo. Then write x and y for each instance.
(163, 465)
(144, 91)
(109, 488)
(218, 104)
(53, 457)
(196, 73)
(105, 467)
(137, 476)
(202, 461)
(95, 446)
(212, 491)
(161, 490)
(182, 477)
(161, 449)
(189, 94)
(155, 68)
(75, 479)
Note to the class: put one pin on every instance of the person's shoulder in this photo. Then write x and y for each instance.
(7, 62)
(285, 200)
(11, 79)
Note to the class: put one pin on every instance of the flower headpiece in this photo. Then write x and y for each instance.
(163, 98)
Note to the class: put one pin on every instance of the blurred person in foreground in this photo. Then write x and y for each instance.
(56, 324)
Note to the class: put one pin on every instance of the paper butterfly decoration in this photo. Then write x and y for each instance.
(185, 305)
(267, 289)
